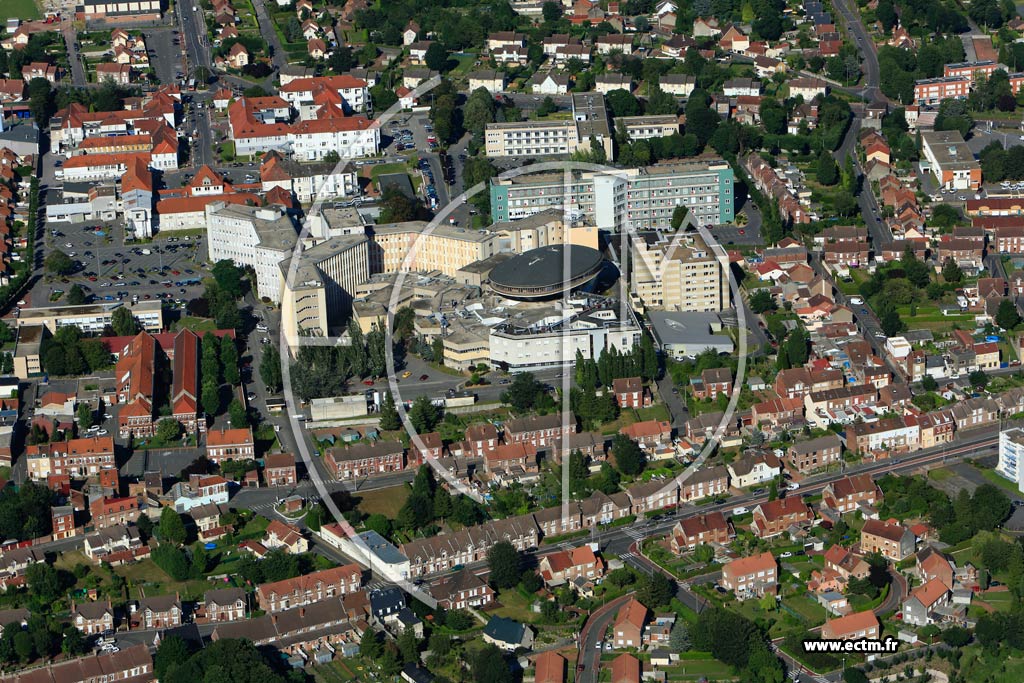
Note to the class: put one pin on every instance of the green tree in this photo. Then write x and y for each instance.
(168, 429)
(210, 398)
(228, 277)
(76, 295)
(1007, 316)
(551, 11)
(370, 646)
(84, 416)
(270, 367)
(238, 415)
(409, 646)
(424, 415)
(828, 170)
(478, 111)
(504, 562)
(59, 263)
(173, 651)
(656, 590)
(951, 272)
(45, 581)
(679, 216)
(437, 57)
(172, 527)
(123, 322)
(761, 301)
(389, 418)
(679, 638)
(40, 101)
(523, 391)
(229, 361)
(629, 458)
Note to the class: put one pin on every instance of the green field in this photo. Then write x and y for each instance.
(25, 10)
(385, 501)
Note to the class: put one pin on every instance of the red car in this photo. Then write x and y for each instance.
(368, 382)
(424, 378)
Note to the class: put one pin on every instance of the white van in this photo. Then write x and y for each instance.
(739, 511)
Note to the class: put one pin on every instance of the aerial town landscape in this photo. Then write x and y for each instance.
(511, 341)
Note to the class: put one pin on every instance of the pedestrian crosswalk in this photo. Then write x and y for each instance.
(821, 679)
(635, 534)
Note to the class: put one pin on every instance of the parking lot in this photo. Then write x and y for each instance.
(110, 270)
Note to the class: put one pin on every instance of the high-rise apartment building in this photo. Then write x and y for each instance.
(676, 273)
(630, 199)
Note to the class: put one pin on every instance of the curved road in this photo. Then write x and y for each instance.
(591, 636)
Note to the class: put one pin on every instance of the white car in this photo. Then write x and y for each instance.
(102, 432)
(739, 511)
(856, 300)
(786, 554)
(792, 486)
(94, 428)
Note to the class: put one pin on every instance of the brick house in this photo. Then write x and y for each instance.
(630, 392)
(158, 611)
(279, 469)
(649, 433)
(846, 494)
(893, 541)
(108, 511)
(365, 459)
(539, 430)
(307, 589)
(93, 618)
(230, 444)
(63, 518)
(807, 456)
(653, 495)
(856, 626)
(462, 590)
(628, 627)
(712, 383)
(690, 532)
(756, 575)
(774, 517)
(482, 438)
(705, 482)
(224, 604)
(568, 565)
(511, 458)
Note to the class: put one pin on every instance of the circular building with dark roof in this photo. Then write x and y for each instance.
(545, 272)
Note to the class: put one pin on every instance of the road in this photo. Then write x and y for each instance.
(192, 25)
(866, 46)
(278, 56)
(78, 76)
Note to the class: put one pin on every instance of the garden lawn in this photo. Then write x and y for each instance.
(396, 167)
(384, 501)
(195, 324)
(157, 582)
(699, 669)
(25, 10)
(999, 481)
(514, 605)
